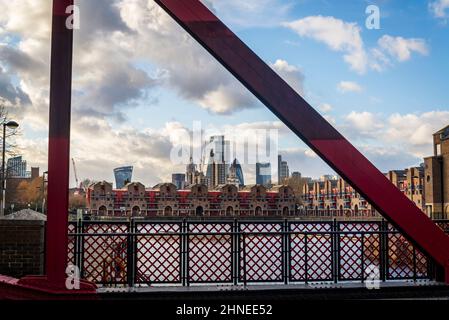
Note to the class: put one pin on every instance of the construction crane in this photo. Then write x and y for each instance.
(76, 175)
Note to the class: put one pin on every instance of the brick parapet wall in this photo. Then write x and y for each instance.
(22, 246)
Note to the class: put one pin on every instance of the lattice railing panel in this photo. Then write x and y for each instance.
(311, 254)
(261, 257)
(158, 257)
(182, 252)
(359, 253)
(210, 256)
(105, 256)
(404, 261)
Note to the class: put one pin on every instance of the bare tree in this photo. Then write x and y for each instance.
(11, 148)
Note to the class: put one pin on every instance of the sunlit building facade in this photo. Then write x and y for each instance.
(197, 200)
(436, 177)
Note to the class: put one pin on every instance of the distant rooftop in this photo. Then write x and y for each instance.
(25, 214)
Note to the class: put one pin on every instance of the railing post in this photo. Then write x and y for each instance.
(244, 258)
(285, 253)
(235, 253)
(306, 262)
(81, 248)
(78, 243)
(182, 255)
(431, 270)
(362, 256)
(414, 263)
(182, 252)
(130, 253)
(335, 247)
(383, 250)
(186, 253)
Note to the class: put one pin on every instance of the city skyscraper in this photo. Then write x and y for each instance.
(235, 175)
(218, 151)
(325, 177)
(193, 176)
(190, 172)
(263, 174)
(296, 175)
(123, 175)
(16, 168)
(283, 170)
(179, 180)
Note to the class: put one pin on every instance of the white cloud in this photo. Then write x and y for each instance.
(412, 133)
(439, 8)
(325, 107)
(346, 37)
(310, 153)
(362, 124)
(349, 86)
(401, 48)
(417, 129)
(337, 35)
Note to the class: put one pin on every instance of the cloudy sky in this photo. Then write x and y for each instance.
(140, 81)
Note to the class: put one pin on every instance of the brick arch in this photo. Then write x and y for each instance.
(103, 211)
(135, 211)
(168, 211)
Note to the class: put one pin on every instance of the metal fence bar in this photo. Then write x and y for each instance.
(186, 239)
(235, 252)
(336, 267)
(362, 257)
(130, 256)
(183, 256)
(244, 260)
(306, 259)
(383, 250)
(286, 240)
(414, 265)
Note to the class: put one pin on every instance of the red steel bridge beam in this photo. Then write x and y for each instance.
(59, 143)
(311, 127)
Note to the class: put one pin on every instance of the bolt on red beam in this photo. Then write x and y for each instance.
(310, 126)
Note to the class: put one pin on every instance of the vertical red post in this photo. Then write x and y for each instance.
(59, 144)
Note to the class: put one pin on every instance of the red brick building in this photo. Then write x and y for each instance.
(165, 200)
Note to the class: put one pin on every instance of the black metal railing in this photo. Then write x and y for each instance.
(240, 252)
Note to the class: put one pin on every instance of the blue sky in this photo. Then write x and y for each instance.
(138, 75)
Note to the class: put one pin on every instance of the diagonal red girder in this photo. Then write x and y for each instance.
(310, 126)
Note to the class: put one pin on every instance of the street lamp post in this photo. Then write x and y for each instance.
(11, 125)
